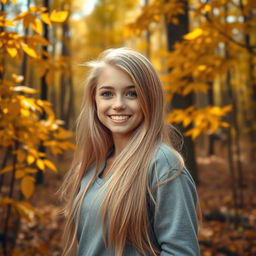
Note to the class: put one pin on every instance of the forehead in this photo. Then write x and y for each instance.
(114, 77)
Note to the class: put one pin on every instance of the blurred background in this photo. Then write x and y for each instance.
(205, 54)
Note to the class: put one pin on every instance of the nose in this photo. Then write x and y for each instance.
(119, 103)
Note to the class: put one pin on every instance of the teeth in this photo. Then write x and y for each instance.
(119, 117)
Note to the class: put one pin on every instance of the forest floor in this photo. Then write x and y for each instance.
(224, 231)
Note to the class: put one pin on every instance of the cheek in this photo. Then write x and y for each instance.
(138, 109)
(101, 107)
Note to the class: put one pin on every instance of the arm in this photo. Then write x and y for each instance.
(175, 222)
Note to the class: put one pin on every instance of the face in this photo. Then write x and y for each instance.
(117, 104)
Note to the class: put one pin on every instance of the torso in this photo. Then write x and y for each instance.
(105, 172)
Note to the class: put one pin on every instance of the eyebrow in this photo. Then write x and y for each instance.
(110, 87)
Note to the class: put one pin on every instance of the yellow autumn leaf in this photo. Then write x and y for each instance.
(19, 174)
(34, 8)
(6, 23)
(30, 159)
(202, 67)
(207, 8)
(27, 186)
(193, 133)
(6, 169)
(27, 211)
(45, 18)
(224, 124)
(25, 112)
(227, 108)
(216, 111)
(30, 170)
(17, 79)
(40, 164)
(28, 19)
(37, 26)
(24, 89)
(23, 211)
(30, 51)
(58, 16)
(12, 51)
(187, 120)
(20, 16)
(63, 134)
(3, 1)
(50, 165)
(194, 34)
(40, 39)
(21, 156)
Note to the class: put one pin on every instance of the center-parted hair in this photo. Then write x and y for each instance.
(125, 199)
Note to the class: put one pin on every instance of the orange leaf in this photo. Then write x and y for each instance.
(41, 40)
(194, 34)
(50, 165)
(24, 89)
(17, 79)
(19, 174)
(37, 26)
(40, 164)
(27, 186)
(30, 159)
(58, 16)
(30, 51)
(6, 169)
(12, 51)
(45, 18)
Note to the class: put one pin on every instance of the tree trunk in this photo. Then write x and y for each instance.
(43, 95)
(175, 34)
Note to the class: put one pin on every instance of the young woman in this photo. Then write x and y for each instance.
(128, 191)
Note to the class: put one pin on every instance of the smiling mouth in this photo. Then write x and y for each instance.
(120, 117)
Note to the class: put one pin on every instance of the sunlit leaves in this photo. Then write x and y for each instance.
(194, 34)
(26, 122)
(27, 186)
(37, 26)
(207, 119)
(45, 18)
(50, 165)
(34, 17)
(152, 14)
(60, 16)
(25, 89)
(5, 1)
(29, 50)
(20, 121)
(26, 210)
(40, 164)
(12, 51)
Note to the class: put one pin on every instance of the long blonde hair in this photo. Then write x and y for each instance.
(125, 202)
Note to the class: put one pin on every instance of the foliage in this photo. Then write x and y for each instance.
(223, 35)
(26, 123)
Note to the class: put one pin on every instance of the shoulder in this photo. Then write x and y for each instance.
(166, 154)
(168, 163)
(166, 158)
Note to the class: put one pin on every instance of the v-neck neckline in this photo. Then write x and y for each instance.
(103, 166)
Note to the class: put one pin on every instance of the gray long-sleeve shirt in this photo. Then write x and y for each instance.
(173, 228)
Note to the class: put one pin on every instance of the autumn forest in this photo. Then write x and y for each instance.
(205, 54)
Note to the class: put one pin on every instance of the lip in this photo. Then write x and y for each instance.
(119, 115)
(119, 121)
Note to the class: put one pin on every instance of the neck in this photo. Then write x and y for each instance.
(120, 143)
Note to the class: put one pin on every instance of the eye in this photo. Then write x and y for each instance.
(132, 94)
(106, 94)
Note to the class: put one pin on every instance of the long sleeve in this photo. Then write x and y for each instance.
(175, 220)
